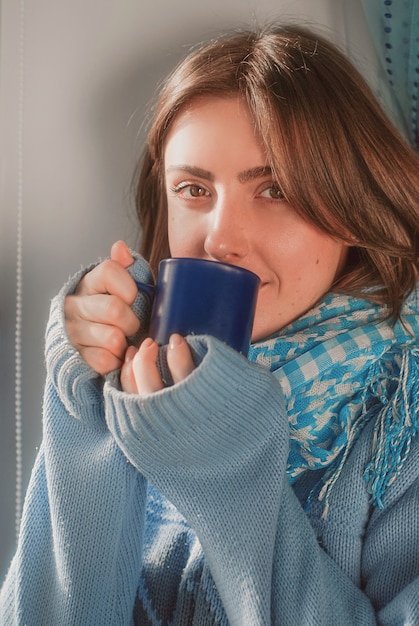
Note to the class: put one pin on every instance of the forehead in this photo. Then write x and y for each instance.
(215, 124)
(201, 107)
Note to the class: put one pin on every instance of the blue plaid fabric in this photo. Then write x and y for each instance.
(339, 366)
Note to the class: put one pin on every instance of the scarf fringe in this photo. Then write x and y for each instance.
(329, 483)
(341, 366)
(396, 425)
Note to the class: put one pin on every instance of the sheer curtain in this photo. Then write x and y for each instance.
(394, 26)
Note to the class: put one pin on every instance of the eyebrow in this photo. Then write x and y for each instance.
(247, 175)
(255, 172)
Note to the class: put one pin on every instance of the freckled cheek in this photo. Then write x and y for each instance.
(185, 238)
(322, 266)
(310, 263)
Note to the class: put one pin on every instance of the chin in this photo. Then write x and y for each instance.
(259, 335)
(264, 331)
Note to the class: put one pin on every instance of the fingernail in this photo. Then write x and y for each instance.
(147, 343)
(175, 340)
(130, 354)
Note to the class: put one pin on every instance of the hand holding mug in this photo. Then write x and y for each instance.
(192, 296)
(99, 317)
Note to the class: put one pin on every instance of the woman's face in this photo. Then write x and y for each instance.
(224, 205)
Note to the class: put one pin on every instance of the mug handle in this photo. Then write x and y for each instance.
(146, 288)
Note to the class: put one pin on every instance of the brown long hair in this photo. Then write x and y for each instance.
(335, 155)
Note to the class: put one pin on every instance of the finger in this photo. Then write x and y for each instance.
(99, 359)
(109, 338)
(100, 309)
(179, 358)
(146, 374)
(127, 374)
(109, 277)
(121, 254)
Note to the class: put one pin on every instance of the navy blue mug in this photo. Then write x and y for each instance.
(201, 297)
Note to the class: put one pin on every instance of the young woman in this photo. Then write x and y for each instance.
(278, 489)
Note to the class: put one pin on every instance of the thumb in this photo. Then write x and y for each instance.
(121, 254)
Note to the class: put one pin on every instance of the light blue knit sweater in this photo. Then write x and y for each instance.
(229, 541)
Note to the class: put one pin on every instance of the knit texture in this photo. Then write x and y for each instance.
(176, 508)
(341, 365)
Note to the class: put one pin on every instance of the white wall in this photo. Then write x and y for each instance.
(89, 70)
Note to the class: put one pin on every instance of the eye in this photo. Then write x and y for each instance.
(188, 190)
(273, 192)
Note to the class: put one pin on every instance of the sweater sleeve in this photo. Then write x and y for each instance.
(80, 546)
(216, 445)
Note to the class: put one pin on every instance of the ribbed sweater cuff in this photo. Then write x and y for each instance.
(216, 415)
(77, 385)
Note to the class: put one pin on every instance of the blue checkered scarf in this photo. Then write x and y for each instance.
(340, 366)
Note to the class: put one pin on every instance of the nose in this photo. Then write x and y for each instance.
(226, 239)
